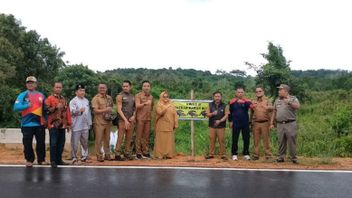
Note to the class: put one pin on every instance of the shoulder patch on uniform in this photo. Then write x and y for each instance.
(233, 101)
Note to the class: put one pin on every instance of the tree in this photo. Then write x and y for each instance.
(239, 73)
(28, 53)
(274, 72)
(72, 75)
(23, 53)
(277, 71)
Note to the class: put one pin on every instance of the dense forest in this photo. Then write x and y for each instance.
(325, 94)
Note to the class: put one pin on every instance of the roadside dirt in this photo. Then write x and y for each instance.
(14, 155)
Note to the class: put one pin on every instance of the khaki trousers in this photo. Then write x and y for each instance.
(102, 138)
(216, 133)
(261, 130)
(124, 134)
(287, 136)
(142, 137)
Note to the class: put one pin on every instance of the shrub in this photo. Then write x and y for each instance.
(341, 120)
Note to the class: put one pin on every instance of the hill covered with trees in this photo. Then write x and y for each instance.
(325, 117)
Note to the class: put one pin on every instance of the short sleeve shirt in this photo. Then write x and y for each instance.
(260, 113)
(284, 112)
(101, 102)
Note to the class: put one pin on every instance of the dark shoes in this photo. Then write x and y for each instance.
(53, 165)
(128, 157)
(267, 157)
(100, 159)
(107, 158)
(146, 156)
(139, 157)
(118, 158)
(294, 160)
(43, 163)
(255, 158)
(62, 163)
(223, 157)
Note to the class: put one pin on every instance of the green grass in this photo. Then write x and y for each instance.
(316, 136)
(183, 138)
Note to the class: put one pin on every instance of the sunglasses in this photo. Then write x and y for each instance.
(165, 96)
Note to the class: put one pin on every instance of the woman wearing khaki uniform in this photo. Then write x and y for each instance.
(166, 121)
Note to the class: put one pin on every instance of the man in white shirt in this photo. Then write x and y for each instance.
(81, 123)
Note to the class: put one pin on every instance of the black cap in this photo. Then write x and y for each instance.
(80, 86)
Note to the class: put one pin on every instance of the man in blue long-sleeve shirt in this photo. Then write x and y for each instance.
(239, 122)
(31, 105)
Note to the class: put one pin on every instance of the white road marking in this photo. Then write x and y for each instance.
(189, 168)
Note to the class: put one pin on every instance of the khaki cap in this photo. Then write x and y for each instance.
(284, 86)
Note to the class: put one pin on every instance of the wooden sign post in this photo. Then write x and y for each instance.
(192, 110)
(192, 132)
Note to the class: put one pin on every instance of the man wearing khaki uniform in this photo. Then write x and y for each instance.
(126, 111)
(284, 115)
(260, 117)
(144, 106)
(102, 107)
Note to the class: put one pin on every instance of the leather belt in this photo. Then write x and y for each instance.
(285, 121)
(262, 121)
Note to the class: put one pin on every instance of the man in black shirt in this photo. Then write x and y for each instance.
(239, 122)
(217, 113)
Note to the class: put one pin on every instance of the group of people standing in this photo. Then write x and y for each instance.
(59, 115)
(260, 116)
(134, 111)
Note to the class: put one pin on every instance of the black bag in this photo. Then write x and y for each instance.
(115, 121)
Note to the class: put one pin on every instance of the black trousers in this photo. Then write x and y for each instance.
(57, 144)
(39, 133)
(245, 136)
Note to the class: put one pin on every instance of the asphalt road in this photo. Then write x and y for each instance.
(40, 182)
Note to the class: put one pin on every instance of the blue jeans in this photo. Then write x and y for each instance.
(57, 144)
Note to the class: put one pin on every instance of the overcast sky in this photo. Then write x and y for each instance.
(199, 34)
